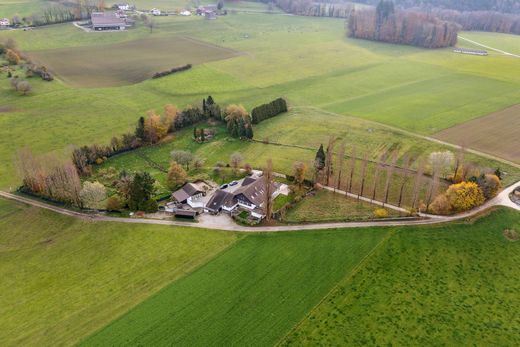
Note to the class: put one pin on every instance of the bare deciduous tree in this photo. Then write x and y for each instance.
(340, 157)
(405, 176)
(389, 173)
(363, 174)
(352, 168)
(329, 159)
(418, 181)
(268, 189)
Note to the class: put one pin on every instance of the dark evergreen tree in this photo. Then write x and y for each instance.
(141, 192)
(204, 108)
(210, 101)
(319, 161)
(139, 130)
(195, 135)
(202, 135)
(249, 131)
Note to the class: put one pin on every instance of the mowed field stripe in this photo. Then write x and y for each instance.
(253, 293)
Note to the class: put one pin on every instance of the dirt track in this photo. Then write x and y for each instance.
(228, 225)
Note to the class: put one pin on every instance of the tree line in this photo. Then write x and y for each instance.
(418, 187)
(504, 6)
(482, 20)
(384, 23)
(265, 111)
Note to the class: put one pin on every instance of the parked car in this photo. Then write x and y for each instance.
(224, 186)
(234, 183)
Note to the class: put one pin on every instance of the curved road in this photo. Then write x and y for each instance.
(227, 224)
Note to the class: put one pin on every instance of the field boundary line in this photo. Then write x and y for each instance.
(347, 277)
(488, 47)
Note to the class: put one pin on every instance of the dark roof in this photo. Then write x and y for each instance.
(248, 180)
(185, 213)
(219, 199)
(254, 191)
(106, 19)
(185, 192)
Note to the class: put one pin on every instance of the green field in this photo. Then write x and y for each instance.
(450, 285)
(420, 90)
(63, 278)
(249, 295)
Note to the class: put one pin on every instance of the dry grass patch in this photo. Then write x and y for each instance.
(511, 235)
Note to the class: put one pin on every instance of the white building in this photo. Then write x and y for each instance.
(4, 22)
(155, 12)
(185, 13)
(123, 7)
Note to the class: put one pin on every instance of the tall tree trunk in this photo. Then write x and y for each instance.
(417, 185)
(340, 157)
(363, 174)
(389, 173)
(268, 190)
(352, 168)
(404, 178)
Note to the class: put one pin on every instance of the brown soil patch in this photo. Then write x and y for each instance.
(496, 133)
(511, 235)
(4, 109)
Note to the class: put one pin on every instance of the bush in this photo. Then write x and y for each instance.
(99, 161)
(490, 185)
(150, 206)
(114, 204)
(440, 205)
(381, 213)
(464, 196)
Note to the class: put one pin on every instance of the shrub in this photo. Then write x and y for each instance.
(12, 57)
(176, 175)
(381, 213)
(440, 205)
(150, 206)
(99, 161)
(114, 204)
(24, 87)
(489, 184)
(464, 196)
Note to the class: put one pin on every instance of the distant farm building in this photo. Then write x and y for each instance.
(155, 12)
(185, 13)
(107, 21)
(4, 22)
(123, 7)
(470, 51)
(208, 11)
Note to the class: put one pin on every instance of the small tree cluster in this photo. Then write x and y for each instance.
(139, 191)
(211, 109)
(176, 175)
(50, 177)
(238, 122)
(269, 110)
(402, 27)
(41, 71)
(20, 85)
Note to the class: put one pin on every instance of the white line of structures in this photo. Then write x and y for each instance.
(491, 48)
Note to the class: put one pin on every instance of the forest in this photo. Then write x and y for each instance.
(384, 23)
(504, 6)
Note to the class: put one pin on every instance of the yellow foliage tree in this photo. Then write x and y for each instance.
(464, 196)
(12, 57)
(176, 175)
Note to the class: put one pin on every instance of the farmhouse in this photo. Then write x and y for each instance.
(185, 13)
(470, 51)
(249, 196)
(4, 22)
(208, 11)
(155, 12)
(107, 21)
(191, 194)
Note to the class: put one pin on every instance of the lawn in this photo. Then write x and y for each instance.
(448, 285)
(63, 278)
(251, 294)
(127, 62)
(326, 206)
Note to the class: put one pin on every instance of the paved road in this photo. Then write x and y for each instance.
(225, 223)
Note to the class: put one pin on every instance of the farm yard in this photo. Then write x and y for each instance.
(88, 281)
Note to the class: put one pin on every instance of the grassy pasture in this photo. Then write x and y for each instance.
(63, 278)
(249, 295)
(301, 131)
(495, 134)
(420, 90)
(505, 42)
(446, 285)
(128, 62)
